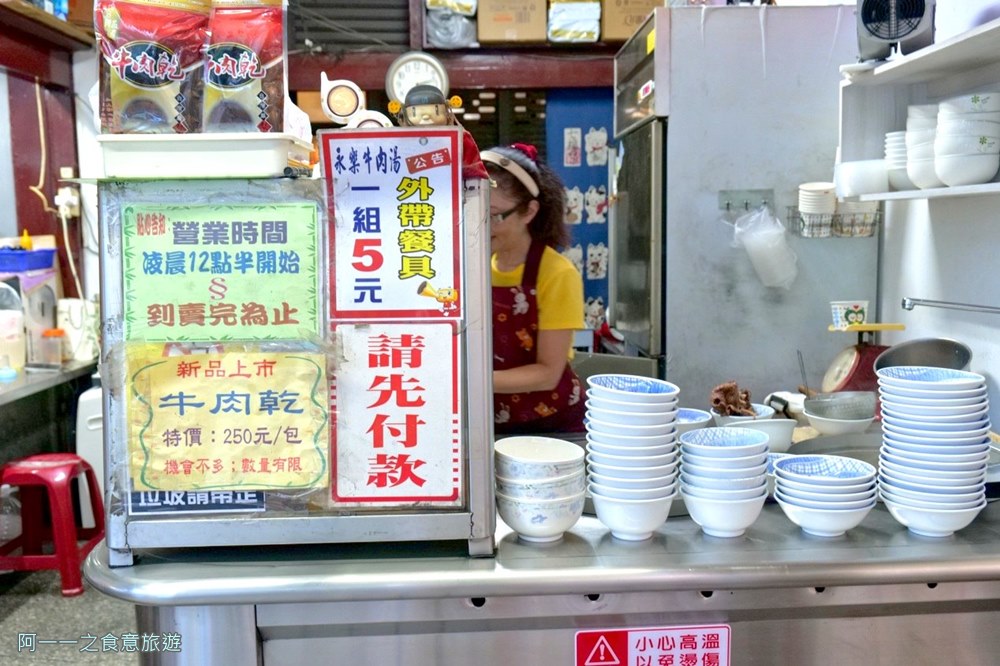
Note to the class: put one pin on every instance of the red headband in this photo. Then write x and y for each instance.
(530, 151)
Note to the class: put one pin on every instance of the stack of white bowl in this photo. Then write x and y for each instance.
(824, 495)
(967, 143)
(817, 204)
(724, 478)
(895, 160)
(921, 128)
(631, 452)
(540, 485)
(935, 447)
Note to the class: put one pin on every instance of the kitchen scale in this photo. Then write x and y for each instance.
(853, 368)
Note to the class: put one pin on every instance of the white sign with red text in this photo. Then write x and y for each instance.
(394, 204)
(689, 645)
(395, 410)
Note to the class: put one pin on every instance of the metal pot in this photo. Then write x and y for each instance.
(934, 352)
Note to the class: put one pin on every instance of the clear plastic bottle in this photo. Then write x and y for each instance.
(10, 515)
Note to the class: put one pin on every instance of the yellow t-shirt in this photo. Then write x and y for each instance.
(560, 290)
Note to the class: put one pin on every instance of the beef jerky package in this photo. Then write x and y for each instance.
(245, 67)
(152, 60)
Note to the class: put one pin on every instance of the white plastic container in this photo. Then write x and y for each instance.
(219, 155)
(90, 444)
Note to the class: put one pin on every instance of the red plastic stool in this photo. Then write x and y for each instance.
(52, 474)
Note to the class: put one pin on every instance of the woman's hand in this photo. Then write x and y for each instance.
(542, 375)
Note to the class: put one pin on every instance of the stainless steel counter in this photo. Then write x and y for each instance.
(912, 598)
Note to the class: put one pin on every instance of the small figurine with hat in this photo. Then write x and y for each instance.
(426, 105)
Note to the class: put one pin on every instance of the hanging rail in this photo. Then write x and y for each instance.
(909, 303)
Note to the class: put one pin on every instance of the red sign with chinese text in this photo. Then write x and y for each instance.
(689, 645)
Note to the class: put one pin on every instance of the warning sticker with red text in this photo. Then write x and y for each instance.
(689, 645)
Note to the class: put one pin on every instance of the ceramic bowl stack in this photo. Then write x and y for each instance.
(967, 142)
(540, 485)
(935, 447)
(631, 452)
(824, 495)
(817, 204)
(723, 478)
(895, 160)
(921, 128)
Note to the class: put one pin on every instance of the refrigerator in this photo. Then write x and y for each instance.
(719, 110)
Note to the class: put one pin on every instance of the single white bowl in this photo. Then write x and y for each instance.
(936, 392)
(631, 461)
(724, 442)
(929, 111)
(918, 137)
(825, 469)
(933, 522)
(631, 493)
(939, 449)
(927, 378)
(819, 494)
(830, 505)
(540, 520)
(720, 462)
(853, 178)
(931, 476)
(827, 426)
(932, 409)
(889, 480)
(595, 402)
(779, 432)
(632, 387)
(632, 520)
(922, 174)
(657, 418)
(965, 144)
(724, 518)
(939, 435)
(624, 482)
(947, 116)
(907, 457)
(623, 472)
(533, 457)
(595, 425)
(921, 151)
(716, 494)
(932, 482)
(760, 412)
(712, 483)
(941, 465)
(968, 169)
(974, 102)
(845, 488)
(961, 125)
(954, 423)
(895, 438)
(824, 522)
(691, 419)
(887, 495)
(562, 486)
(612, 450)
(630, 441)
(900, 490)
(722, 472)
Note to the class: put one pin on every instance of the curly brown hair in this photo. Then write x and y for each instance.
(549, 224)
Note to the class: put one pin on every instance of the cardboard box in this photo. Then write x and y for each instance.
(502, 21)
(621, 18)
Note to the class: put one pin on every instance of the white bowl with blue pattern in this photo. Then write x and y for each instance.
(930, 378)
(531, 457)
(691, 419)
(824, 469)
(612, 386)
(724, 442)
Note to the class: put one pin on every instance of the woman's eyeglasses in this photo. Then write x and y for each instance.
(497, 218)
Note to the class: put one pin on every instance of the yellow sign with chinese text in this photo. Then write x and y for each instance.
(227, 420)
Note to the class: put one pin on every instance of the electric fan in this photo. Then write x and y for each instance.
(883, 23)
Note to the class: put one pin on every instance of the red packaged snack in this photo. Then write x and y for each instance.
(245, 67)
(151, 64)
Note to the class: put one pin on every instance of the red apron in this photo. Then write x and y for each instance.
(515, 337)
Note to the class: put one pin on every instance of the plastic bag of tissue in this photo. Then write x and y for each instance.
(574, 21)
(766, 242)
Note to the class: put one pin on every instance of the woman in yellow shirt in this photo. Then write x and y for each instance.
(537, 297)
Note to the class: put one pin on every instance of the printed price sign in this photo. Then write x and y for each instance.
(227, 421)
(394, 200)
(395, 408)
(207, 272)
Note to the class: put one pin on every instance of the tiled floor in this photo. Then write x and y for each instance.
(31, 604)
